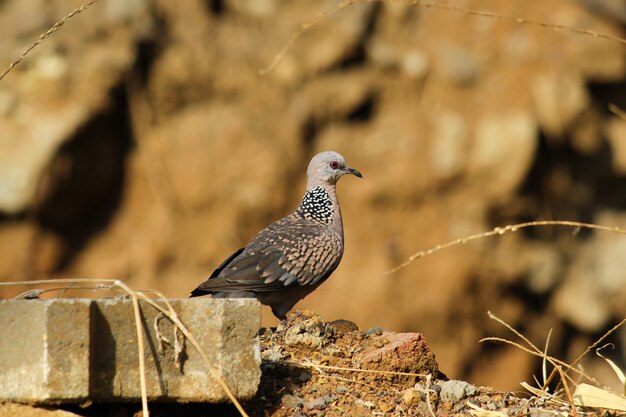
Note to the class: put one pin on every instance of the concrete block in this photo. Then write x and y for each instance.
(44, 349)
(226, 329)
(71, 350)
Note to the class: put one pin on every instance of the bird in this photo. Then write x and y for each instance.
(293, 256)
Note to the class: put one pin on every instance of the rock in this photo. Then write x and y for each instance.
(594, 287)
(511, 158)
(415, 64)
(560, 98)
(329, 398)
(304, 328)
(411, 397)
(578, 302)
(341, 389)
(332, 97)
(385, 407)
(346, 30)
(315, 404)
(292, 401)
(344, 326)
(404, 352)
(255, 8)
(454, 391)
(382, 53)
(545, 267)
(94, 62)
(364, 403)
(374, 331)
(458, 65)
(449, 145)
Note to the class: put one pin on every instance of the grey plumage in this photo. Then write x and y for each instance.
(291, 257)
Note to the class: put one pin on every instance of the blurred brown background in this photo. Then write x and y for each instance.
(140, 142)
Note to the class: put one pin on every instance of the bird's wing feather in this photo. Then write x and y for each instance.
(288, 251)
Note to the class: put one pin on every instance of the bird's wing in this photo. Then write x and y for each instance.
(287, 252)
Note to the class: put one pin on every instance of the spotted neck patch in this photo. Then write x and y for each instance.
(317, 205)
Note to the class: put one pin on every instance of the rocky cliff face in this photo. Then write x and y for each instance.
(140, 142)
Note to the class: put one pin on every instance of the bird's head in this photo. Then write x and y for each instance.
(326, 168)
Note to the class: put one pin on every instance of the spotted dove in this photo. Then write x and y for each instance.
(292, 256)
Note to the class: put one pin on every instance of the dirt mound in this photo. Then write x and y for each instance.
(311, 367)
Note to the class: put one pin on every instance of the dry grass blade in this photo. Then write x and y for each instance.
(142, 359)
(303, 29)
(431, 5)
(308, 364)
(480, 412)
(616, 369)
(589, 349)
(543, 394)
(50, 31)
(534, 350)
(600, 340)
(567, 391)
(501, 231)
(514, 19)
(544, 371)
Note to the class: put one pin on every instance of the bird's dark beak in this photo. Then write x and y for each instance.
(353, 171)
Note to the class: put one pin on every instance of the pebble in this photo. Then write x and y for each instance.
(329, 398)
(411, 397)
(275, 357)
(341, 389)
(315, 404)
(454, 391)
(292, 401)
(374, 330)
(367, 404)
(380, 343)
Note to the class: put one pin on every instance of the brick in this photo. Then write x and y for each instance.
(44, 350)
(70, 350)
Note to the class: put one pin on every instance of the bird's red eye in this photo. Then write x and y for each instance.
(334, 164)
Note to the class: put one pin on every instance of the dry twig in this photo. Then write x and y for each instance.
(431, 5)
(43, 36)
(500, 231)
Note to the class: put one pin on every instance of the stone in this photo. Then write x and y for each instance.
(449, 145)
(315, 404)
(510, 158)
(454, 391)
(292, 401)
(403, 352)
(411, 397)
(341, 389)
(459, 65)
(560, 98)
(72, 350)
